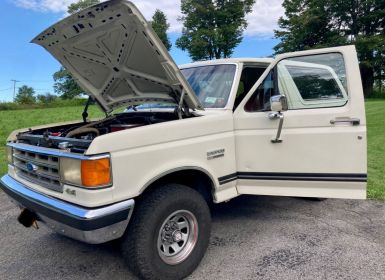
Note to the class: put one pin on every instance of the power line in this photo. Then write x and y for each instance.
(38, 81)
(22, 80)
(5, 89)
(36, 89)
(40, 89)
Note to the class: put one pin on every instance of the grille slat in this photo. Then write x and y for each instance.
(37, 159)
(44, 172)
(39, 173)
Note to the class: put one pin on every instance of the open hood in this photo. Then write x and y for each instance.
(116, 57)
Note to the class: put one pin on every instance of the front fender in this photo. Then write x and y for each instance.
(213, 179)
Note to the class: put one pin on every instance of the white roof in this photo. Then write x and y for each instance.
(228, 60)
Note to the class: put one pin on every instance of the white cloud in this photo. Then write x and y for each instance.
(262, 21)
(264, 17)
(170, 7)
(55, 6)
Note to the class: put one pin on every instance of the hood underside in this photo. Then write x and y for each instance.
(116, 57)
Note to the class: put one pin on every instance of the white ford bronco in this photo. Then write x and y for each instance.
(201, 133)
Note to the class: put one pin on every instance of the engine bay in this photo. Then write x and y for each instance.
(77, 137)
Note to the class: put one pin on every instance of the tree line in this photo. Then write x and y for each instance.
(213, 28)
(26, 95)
(310, 24)
(26, 98)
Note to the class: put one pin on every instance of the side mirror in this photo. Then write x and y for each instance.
(278, 103)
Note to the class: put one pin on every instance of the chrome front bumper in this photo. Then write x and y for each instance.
(90, 225)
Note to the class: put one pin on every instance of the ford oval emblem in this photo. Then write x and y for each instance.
(31, 167)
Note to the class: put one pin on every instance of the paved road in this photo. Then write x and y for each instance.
(252, 238)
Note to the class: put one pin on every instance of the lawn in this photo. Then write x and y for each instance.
(376, 148)
(11, 120)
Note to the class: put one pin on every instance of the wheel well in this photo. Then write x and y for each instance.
(192, 178)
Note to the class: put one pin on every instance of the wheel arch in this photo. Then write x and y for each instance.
(192, 176)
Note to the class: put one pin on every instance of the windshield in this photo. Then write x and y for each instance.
(212, 83)
(149, 107)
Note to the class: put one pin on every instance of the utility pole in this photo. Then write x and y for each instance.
(14, 88)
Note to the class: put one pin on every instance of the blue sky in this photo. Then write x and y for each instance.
(22, 20)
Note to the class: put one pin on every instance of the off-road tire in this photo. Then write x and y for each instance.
(140, 243)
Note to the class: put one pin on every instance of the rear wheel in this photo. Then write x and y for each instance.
(168, 234)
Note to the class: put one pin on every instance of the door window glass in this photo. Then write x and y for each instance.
(260, 100)
(314, 81)
(249, 77)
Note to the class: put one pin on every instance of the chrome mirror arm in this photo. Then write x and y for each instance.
(273, 116)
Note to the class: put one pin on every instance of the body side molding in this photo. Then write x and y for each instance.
(334, 177)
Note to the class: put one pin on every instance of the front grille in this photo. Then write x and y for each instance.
(37, 168)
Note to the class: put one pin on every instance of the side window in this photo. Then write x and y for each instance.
(250, 75)
(260, 100)
(314, 81)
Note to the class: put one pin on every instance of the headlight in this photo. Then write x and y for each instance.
(70, 171)
(90, 173)
(9, 155)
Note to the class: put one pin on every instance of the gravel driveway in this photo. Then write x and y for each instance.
(252, 238)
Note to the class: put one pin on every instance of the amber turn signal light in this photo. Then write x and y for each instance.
(96, 173)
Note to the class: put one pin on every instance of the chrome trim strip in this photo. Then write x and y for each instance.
(54, 152)
(102, 187)
(67, 208)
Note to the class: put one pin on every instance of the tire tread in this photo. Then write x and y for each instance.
(144, 212)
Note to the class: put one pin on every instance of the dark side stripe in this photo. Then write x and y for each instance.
(334, 177)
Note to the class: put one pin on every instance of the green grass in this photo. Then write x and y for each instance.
(376, 148)
(11, 120)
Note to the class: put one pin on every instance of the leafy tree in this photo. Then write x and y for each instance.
(25, 95)
(327, 23)
(160, 26)
(46, 98)
(307, 24)
(80, 5)
(213, 28)
(65, 85)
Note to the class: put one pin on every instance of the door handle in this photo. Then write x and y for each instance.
(352, 121)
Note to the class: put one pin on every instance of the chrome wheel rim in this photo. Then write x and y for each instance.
(177, 237)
